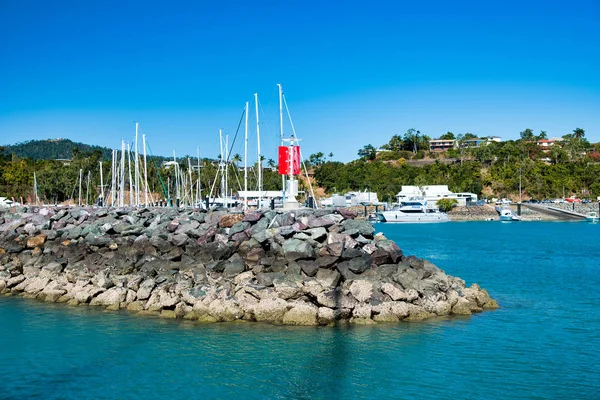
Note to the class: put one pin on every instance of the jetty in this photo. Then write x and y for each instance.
(296, 267)
(558, 213)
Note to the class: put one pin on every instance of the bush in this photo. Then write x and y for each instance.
(446, 205)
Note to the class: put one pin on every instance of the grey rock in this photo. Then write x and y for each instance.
(328, 277)
(319, 234)
(295, 249)
(309, 267)
(239, 227)
(364, 228)
(53, 267)
(359, 265)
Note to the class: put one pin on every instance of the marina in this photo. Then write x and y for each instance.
(416, 217)
(538, 344)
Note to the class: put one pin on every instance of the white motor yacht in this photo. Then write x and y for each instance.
(413, 210)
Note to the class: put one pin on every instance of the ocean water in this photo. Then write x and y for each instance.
(542, 344)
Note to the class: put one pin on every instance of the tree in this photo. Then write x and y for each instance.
(448, 136)
(411, 139)
(271, 163)
(542, 135)
(461, 145)
(369, 152)
(527, 134)
(395, 143)
(578, 133)
(446, 205)
(317, 158)
(236, 159)
(330, 156)
(468, 136)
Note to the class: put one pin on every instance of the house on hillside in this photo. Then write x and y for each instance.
(438, 145)
(549, 142)
(475, 142)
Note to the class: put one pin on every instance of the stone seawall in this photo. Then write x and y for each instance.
(302, 267)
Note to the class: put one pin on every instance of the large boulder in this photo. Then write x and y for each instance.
(301, 314)
(270, 310)
(355, 227)
(295, 249)
(229, 220)
(112, 297)
(225, 310)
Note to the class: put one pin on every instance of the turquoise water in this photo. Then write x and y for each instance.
(542, 344)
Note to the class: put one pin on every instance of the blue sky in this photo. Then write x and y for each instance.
(354, 72)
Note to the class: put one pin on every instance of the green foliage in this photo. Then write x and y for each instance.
(369, 152)
(490, 170)
(316, 159)
(446, 205)
(50, 149)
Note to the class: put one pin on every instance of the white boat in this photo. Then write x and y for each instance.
(592, 217)
(413, 210)
(506, 215)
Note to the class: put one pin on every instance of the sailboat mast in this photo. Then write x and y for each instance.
(226, 166)
(35, 190)
(246, 160)
(129, 169)
(191, 199)
(87, 191)
(221, 163)
(101, 185)
(122, 176)
(281, 132)
(280, 112)
(177, 193)
(137, 166)
(113, 178)
(145, 171)
(198, 188)
(259, 161)
(80, 177)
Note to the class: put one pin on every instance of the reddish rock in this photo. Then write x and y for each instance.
(36, 241)
(347, 214)
(227, 221)
(252, 216)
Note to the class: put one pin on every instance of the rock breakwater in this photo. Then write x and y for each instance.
(302, 267)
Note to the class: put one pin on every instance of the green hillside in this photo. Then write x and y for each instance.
(53, 149)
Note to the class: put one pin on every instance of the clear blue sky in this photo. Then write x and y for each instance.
(354, 72)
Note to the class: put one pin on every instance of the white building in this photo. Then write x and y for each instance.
(433, 193)
(351, 199)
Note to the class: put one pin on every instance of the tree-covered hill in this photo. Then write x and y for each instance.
(53, 149)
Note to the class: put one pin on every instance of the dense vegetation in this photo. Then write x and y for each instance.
(491, 170)
(58, 180)
(52, 149)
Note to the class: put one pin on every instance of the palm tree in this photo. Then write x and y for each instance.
(271, 163)
(542, 135)
(236, 159)
(330, 156)
(578, 133)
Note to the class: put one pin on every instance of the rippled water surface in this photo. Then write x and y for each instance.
(543, 343)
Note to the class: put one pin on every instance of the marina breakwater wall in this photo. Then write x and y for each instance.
(302, 267)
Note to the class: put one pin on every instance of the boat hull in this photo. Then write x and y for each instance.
(400, 217)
